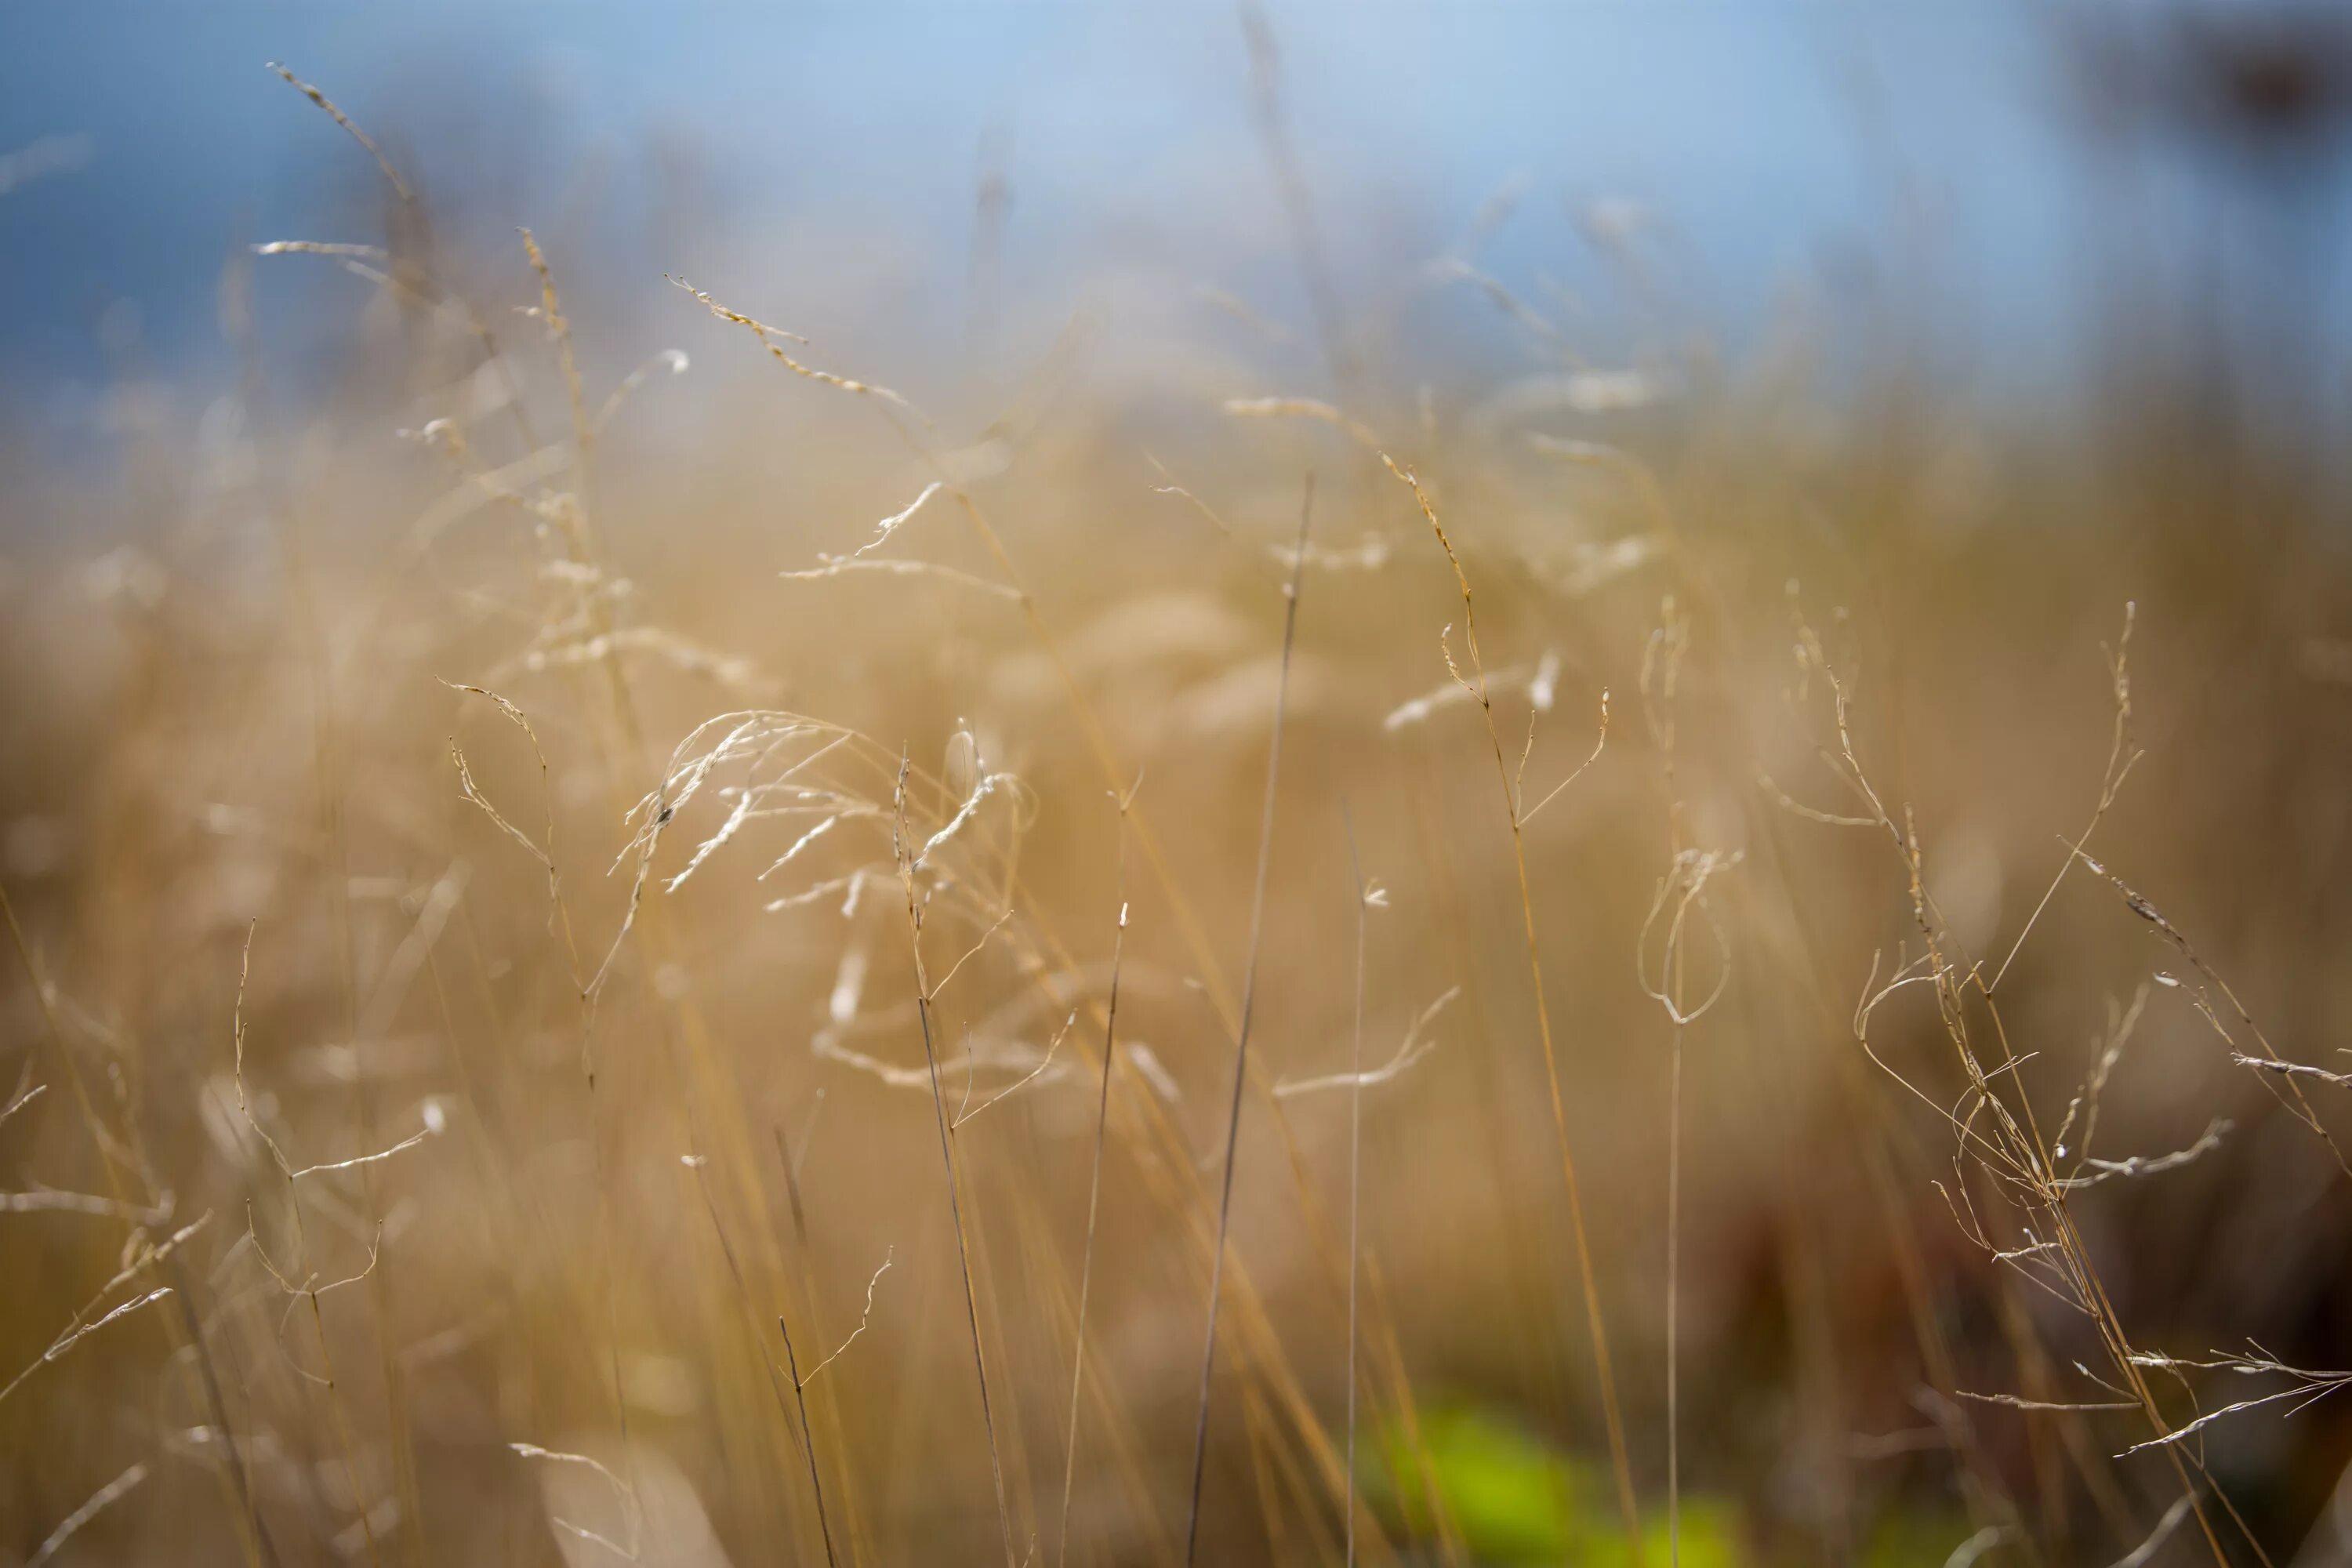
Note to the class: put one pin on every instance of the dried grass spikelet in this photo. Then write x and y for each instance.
(773, 338)
(1309, 408)
(1409, 1054)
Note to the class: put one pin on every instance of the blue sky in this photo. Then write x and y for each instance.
(1769, 136)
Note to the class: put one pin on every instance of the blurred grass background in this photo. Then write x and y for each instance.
(1776, 336)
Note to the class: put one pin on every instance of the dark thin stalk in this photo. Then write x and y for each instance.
(1241, 1045)
(1673, 1284)
(743, 1293)
(947, 1159)
(808, 1436)
(1355, 1168)
(1094, 1187)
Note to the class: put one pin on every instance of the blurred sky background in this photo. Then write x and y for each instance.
(2012, 166)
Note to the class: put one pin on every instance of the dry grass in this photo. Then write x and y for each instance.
(577, 956)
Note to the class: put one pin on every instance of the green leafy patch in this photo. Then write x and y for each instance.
(1513, 1498)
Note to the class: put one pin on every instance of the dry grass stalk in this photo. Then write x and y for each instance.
(100, 1501)
(2012, 1152)
(1094, 1183)
(908, 861)
(367, 142)
(1241, 1037)
(1476, 684)
(1365, 896)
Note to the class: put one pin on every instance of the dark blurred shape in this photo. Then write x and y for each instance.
(2279, 81)
(2269, 81)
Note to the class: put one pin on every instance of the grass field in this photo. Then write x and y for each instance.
(1219, 948)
